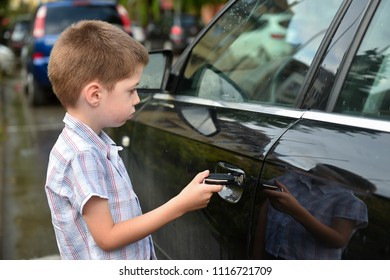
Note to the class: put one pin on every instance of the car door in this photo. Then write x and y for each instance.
(340, 147)
(221, 112)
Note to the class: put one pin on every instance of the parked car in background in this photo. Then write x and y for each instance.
(315, 115)
(268, 38)
(183, 30)
(157, 33)
(18, 33)
(49, 20)
(7, 61)
(138, 32)
(172, 31)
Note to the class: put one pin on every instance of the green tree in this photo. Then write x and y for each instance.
(194, 5)
(145, 10)
(4, 5)
(4, 9)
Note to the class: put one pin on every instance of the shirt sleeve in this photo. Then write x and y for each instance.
(88, 178)
(352, 208)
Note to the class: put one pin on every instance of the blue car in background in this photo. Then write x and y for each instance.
(49, 20)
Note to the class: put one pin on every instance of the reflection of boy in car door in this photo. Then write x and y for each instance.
(309, 219)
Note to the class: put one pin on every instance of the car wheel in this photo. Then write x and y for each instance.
(35, 93)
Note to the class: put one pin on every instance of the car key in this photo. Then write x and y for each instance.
(269, 186)
(220, 179)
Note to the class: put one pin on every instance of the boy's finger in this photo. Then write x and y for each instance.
(280, 185)
(202, 175)
(214, 188)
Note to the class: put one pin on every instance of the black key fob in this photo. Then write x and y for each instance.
(220, 179)
(270, 186)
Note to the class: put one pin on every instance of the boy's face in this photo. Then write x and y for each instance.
(118, 105)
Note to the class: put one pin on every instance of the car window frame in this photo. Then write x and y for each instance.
(350, 54)
(321, 52)
(328, 115)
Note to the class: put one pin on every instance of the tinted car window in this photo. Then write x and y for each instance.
(366, 91)
(241, 57)
(69, 15)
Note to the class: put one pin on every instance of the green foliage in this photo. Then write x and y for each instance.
(146, 10)
(3, 6)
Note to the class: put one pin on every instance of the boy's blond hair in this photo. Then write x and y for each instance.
(92, 50)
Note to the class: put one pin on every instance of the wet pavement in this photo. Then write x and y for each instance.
(26, 137)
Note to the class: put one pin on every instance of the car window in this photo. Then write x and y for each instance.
(366, 91)
(240, 59)
(58, 18)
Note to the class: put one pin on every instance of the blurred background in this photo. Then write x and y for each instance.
(158, 24)
(152, 21)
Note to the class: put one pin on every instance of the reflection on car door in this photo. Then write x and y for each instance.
(332, 153)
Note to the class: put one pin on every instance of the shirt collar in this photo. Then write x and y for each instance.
(102, 141)
(325, 187)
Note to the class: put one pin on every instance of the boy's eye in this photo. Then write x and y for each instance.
(134, 90)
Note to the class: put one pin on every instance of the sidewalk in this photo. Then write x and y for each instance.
(51, 257)
(2, 135)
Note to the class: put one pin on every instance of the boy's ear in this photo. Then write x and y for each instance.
(92, 93)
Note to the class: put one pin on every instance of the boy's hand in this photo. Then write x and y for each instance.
(283, 201)
(196, 194)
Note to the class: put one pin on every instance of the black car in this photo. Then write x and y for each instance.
(306, 103)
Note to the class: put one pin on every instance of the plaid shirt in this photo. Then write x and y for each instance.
(288, 239)
(81, 165)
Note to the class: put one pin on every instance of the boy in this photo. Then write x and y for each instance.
(94, 69)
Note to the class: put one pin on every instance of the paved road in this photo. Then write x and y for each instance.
(26, 137)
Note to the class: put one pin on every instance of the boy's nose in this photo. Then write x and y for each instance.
(137, 100)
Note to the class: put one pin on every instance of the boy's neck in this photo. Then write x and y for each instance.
(85, 120)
